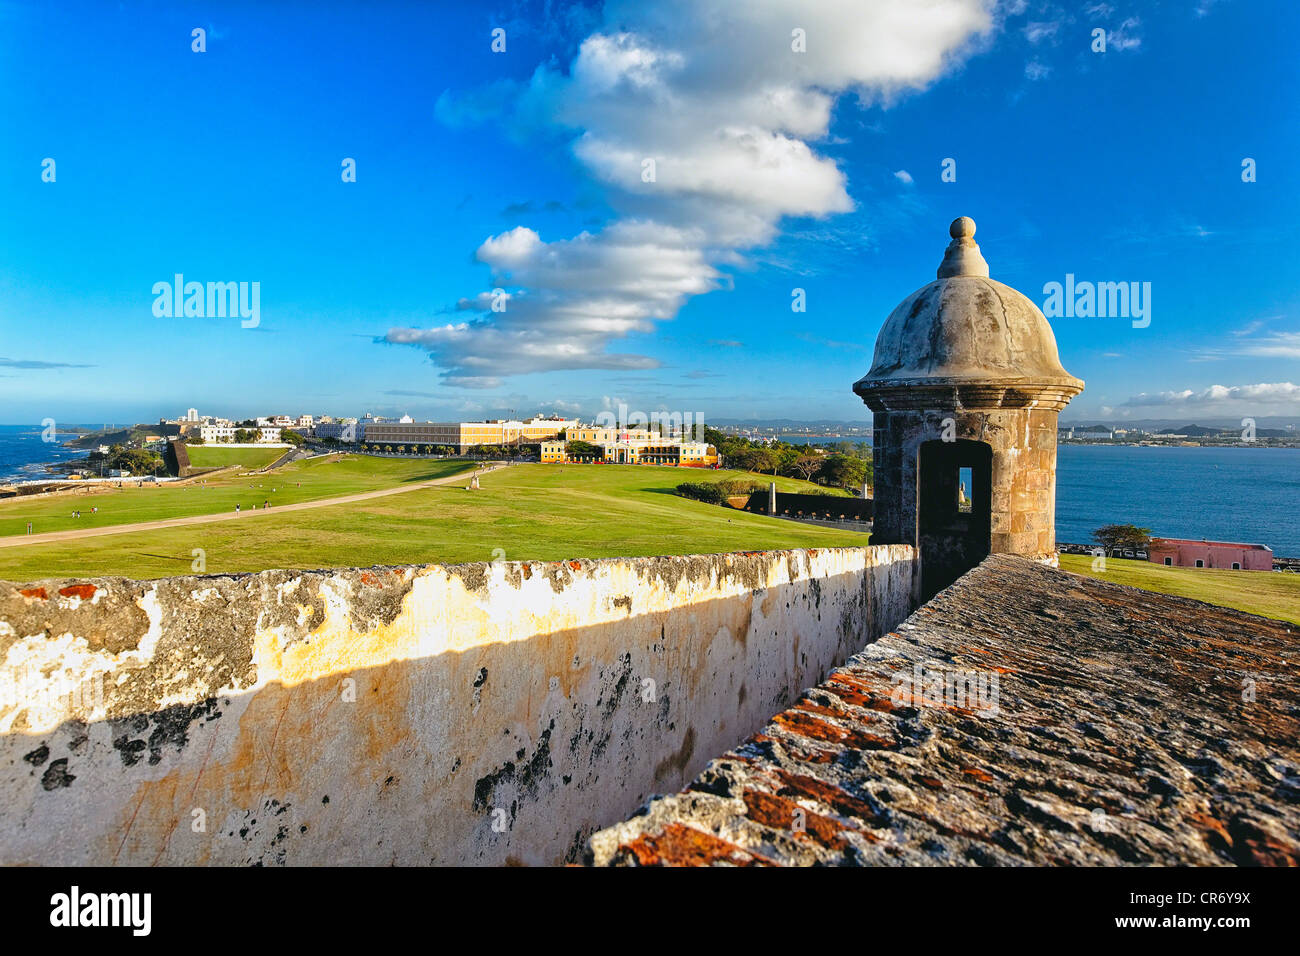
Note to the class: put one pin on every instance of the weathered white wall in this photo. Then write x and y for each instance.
(385, 715)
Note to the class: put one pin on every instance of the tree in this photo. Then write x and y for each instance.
(243, 436)
(758, 459)
(786, 456)
(841, 471)
(807, 465)
(194, 440)
(1112, 536)
(136, 460)
(582, 449)
(291, 437)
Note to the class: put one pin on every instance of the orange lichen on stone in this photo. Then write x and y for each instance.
(83, 591)
(858, 692)
(1101, 694)
(679, 845)
(34, 593)
(799, 721)
(779, 813)
(1211, 828)
(842, 803)
(1255, 846)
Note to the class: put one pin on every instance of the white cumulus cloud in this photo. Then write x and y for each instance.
(713, 92)
(1276, 398)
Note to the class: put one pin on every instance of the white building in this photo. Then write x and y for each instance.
(217, 434)
(344, 431)
(269, 434)
(192, 415)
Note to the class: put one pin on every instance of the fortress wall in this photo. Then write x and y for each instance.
(480, 714)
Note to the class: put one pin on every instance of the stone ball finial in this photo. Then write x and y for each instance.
(965, 331)
(962, 257)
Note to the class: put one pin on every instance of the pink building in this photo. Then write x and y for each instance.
(1184, 553)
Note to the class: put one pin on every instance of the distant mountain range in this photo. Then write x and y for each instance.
(1210, 426)
(1173, 426)
(1192, 431)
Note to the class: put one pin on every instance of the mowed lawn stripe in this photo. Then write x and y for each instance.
(529, 512)
(252, 514)
(308, 480)
(249, 456)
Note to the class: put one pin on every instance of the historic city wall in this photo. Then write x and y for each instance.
(481, 713)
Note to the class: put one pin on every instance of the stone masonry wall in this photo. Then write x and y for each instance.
(480, 714)
(1024, 716)
(1024, 472)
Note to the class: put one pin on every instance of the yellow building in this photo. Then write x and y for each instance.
(464, 435)
(654, 450)
(598, 435)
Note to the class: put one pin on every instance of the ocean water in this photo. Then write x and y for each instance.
(1225, 494)
(24, 456)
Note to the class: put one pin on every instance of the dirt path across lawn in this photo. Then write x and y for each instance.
(18, 540)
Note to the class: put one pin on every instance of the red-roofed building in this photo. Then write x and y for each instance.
(1185, 553)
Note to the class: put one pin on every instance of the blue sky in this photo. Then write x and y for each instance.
(522, 170)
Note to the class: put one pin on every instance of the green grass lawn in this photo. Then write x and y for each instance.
(250, 456)
(306, 480)
(535, 512)
(1265, 593)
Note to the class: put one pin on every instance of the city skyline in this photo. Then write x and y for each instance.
(776, 170)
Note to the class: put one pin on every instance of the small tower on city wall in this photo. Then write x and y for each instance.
(965, 389)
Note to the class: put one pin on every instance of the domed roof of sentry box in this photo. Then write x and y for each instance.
(965, 329)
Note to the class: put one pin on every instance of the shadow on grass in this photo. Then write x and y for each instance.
(430, 476)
